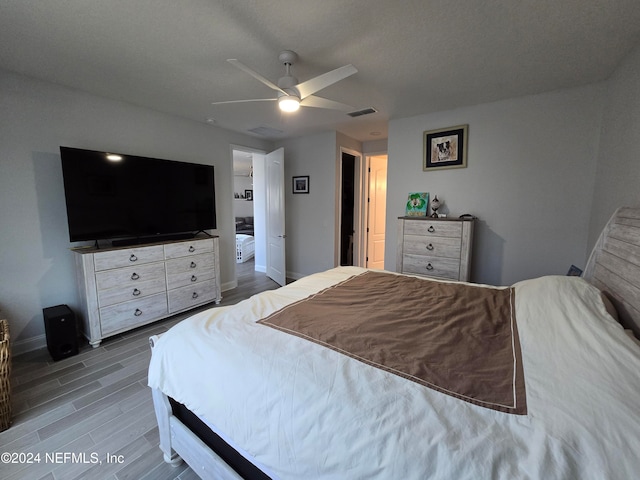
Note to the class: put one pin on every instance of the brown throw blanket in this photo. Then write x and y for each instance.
(458, 339)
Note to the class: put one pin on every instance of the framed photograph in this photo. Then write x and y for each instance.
(574, 271)
(445, 148)
(417, 204)
(248, 194)
(301, 184)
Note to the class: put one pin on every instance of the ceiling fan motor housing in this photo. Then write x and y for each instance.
(288, 57)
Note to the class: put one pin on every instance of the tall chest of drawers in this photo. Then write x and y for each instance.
(125, 288)
(435, 247)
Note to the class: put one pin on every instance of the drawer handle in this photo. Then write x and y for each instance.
(193, 265)
(431, 229)
(195, 295)
(138, 312)
(136, 292)
(135, 276)
(191, 249)
(430, 246)
(194, 278)
(133, 258)
(429, 266)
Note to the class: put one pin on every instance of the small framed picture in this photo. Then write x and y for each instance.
(445, 148)
(248, 194)
(301, 184)
(574, 271)
(417, 204)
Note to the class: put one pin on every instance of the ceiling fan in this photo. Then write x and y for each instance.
(291, 94)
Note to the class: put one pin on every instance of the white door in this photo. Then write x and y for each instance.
(276, 268)
(377, 211)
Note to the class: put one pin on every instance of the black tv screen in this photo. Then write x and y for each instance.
(135, 196)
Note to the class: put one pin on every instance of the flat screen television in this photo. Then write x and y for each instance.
(117, 196)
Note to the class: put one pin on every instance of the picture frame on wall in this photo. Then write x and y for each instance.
(445, 148)
(301, 184)
(248, 194)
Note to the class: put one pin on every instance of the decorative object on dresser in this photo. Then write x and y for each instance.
(435, 205)
(125, 288)
(435, 247)
(445, 148)
(417, 204)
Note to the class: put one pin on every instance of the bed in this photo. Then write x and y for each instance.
(264, 389)
(245, 247)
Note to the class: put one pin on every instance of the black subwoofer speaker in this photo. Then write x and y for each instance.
(62, 335)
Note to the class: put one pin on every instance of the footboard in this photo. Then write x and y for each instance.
(178, 443)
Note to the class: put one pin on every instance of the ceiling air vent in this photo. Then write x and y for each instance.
(266, 131)
(364, 111)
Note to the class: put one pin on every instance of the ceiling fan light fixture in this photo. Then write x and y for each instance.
(289, 103)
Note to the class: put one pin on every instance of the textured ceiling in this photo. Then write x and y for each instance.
(413, 57)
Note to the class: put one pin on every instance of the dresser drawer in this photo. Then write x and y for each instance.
(191, 296)
(183, 249)
(183, 279)
(433, 228)
(127, 257)
(187, 270)
(441, 267)
(127, 315)
(433, 246)
(131, 292)
(129, 276)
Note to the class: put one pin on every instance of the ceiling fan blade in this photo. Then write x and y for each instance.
(319, 102)
(316, 84)
(255, 75)
(245, 101)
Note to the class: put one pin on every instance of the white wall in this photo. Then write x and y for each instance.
(36, 266)
(241, 206)
(310, 222)
(531, 171)
(618, 174)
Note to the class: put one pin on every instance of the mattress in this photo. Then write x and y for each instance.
(297, 409)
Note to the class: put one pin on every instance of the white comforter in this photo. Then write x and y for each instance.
(301, 411)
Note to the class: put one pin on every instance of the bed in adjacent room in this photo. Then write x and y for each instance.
(245, 247)
(352, 373)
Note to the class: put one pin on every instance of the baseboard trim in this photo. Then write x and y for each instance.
(295, 275)
(28, 344)
(229, 285)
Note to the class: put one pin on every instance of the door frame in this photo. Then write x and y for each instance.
(366, 201)
(259, 234)
(359, 220)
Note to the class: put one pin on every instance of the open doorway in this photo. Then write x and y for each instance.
(347, 204)
(376, 207)
(360, 223)
(248, 212)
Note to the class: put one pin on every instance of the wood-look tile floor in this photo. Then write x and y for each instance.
(91, 415)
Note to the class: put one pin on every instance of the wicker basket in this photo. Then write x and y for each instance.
(5, 374)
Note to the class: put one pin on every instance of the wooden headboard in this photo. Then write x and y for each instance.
(614, 265)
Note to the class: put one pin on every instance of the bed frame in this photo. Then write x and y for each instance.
(245, 248)
(613, 267)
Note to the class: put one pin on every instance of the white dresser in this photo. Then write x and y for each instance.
(125, 288)
(435, 247)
